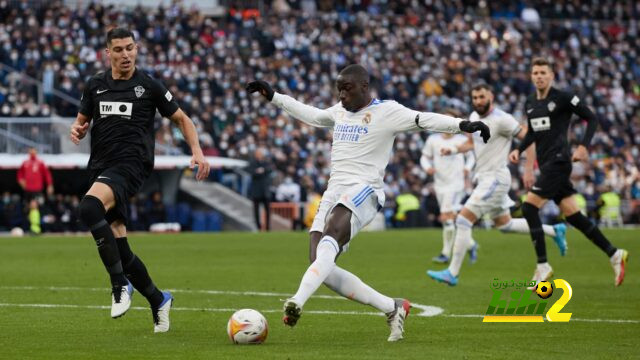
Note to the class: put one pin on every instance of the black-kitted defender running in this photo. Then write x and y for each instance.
(549, 113)
(122, 103)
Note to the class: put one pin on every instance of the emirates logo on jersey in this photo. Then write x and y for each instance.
(367, 118)
(139, 90)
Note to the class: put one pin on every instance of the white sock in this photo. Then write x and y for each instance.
(351, 287)
(461, 244)
(520, 225)
(318, 271)
(448, 235)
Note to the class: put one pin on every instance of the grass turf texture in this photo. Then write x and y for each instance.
(33, 270)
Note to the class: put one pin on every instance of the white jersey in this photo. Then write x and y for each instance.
(449, 169)
(491, 158)
(362, 140)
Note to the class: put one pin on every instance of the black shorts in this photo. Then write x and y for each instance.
(554, 182)
(125, 180)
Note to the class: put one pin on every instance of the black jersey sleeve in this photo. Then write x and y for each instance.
(86, 101)
(163, 99)
(579, 108)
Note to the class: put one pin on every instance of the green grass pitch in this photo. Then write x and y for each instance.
(214, 274)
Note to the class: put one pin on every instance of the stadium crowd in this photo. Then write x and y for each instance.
(423, 54)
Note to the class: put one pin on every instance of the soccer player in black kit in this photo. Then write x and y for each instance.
(122, 103)
(549, 112)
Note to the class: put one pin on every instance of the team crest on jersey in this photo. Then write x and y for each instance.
(367, 118)
(139, 90)
(551, 106)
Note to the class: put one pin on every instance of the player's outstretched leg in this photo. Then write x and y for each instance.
(396, 319)
(136, 272)
(617, 257)
(557, 232)
(326, 252)
(92, 213)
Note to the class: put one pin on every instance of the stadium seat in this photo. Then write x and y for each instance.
(199, 222)
(184, 214)
(214, 221)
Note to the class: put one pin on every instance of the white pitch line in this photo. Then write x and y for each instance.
(315, 312)
(427, 310)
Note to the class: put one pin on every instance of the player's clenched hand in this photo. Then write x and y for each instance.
(78, 132)
(203, 166)
(473, 126)
(580, 154)
(262, 86)
(514, 156)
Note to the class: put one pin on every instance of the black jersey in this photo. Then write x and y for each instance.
(549, 120)
(123, 113)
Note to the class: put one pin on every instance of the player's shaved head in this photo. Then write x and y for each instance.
(357, 71)
(353, 87)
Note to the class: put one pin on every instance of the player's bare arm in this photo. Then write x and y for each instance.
(79, 128)
(187, 128)
(527, 177)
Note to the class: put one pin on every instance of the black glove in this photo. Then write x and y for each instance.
(262, 86)
(473, 126)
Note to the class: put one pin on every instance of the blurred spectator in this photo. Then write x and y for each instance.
(156, 209)
(288, 191)
(260, 189)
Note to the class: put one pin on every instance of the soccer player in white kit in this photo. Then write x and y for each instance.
(490, 195)
(449, 173)
(364, 130)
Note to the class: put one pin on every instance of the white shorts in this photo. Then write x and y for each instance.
(449, 200)
(490, 197)
(362, 199)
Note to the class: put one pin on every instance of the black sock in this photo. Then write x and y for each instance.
(532, 216)
(92, 213)
(137, 274)
(591, 231)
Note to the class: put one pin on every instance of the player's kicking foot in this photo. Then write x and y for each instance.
(396, 318)
(561, 238)
(543, 272)
(473, 253)
(619, 262)
(161, 313)
(441, 259)
(121, 300)
(292, 312)
(443, 276)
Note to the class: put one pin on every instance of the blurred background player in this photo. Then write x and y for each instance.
(122, 103)
(364, 130)
(34, 177)
(549, 112)
(449, 173)
(493, 180)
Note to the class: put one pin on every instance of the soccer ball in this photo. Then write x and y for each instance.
(247, 326)
(544, 289)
